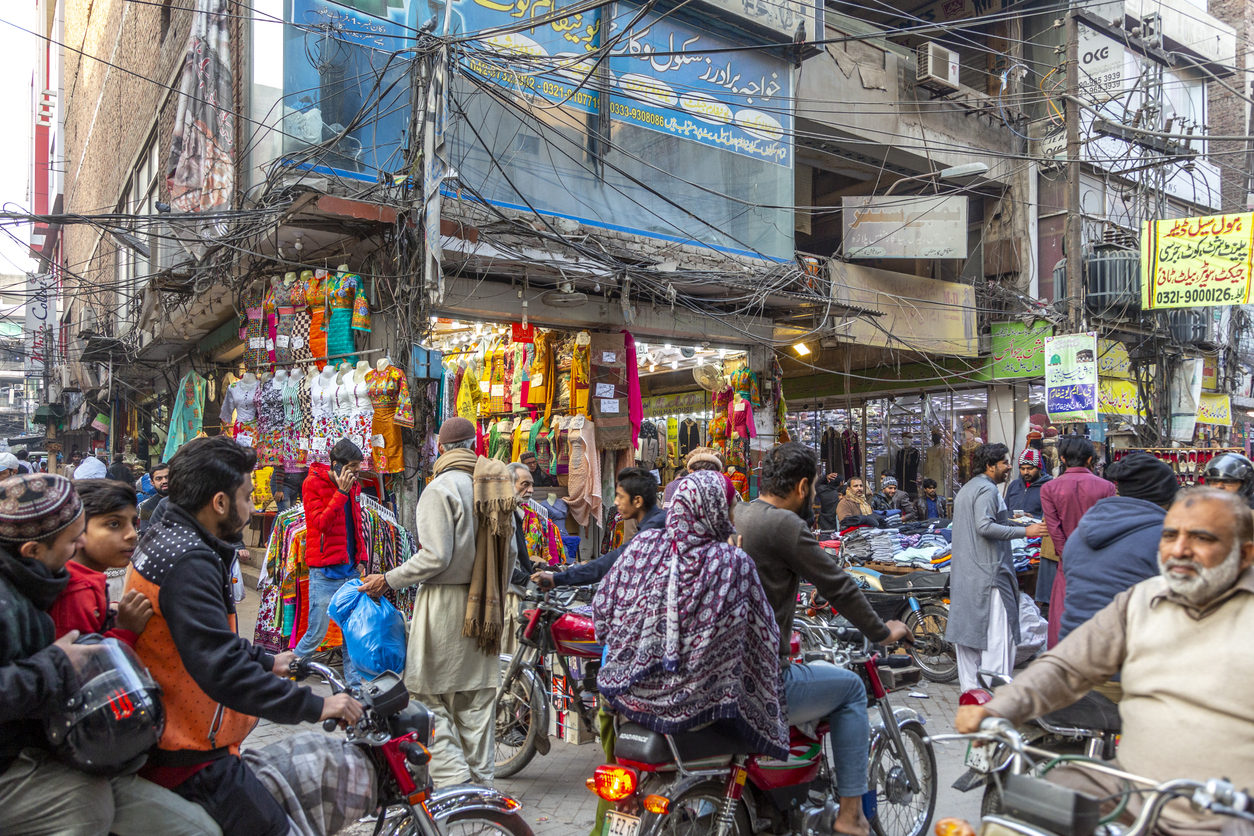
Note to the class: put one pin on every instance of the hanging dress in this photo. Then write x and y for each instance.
(393, 409)
(286, 329)
(316, 298)
(271, 421)
(299, 299)
(188, 414)
(361, 418)
(270, 312)
(254, 335)
(293, 452)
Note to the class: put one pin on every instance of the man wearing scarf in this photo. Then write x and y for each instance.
(467, 552)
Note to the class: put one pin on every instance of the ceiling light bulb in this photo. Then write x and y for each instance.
(667, 346)
(722, 352)
(674, 364)
(653, 367)
(802, 349)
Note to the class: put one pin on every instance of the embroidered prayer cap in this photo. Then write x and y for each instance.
(35, 506)
(703, 454)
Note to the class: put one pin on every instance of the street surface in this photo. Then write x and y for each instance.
(551, 788)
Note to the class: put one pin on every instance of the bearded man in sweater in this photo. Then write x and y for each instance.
(1181, 719)
(464, 563)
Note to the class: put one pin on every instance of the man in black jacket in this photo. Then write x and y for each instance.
(40, 530)
(635, 497)
(774, 534)
(192, 648)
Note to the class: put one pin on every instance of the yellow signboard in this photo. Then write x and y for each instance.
(1118, 397)
(1113, 360)
(1192, 262)
(1214, 409)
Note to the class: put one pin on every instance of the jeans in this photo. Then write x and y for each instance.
(321, 590)
(821, 690)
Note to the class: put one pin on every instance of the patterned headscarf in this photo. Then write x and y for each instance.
(690, 635)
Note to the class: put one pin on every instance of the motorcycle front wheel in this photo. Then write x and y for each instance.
(935, 657)
(465, 823)
(695, 813)
(899, 811)
(521, 717)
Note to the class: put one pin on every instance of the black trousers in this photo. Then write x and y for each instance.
(236, 799)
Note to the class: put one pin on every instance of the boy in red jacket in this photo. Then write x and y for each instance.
(109, 541)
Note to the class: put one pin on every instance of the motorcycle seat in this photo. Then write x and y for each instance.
(915, 582)
(1092, 711)
(640, 745)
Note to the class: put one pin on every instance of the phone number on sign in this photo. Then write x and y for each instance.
(1200, 296)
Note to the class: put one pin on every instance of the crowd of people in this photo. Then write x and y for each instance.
(695, 610)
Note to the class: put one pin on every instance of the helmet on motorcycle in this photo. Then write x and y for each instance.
(108, 725)
(1232, 467)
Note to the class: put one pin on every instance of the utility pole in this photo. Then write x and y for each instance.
(1074, 232)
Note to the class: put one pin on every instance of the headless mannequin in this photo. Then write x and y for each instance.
(280, 377)
(359, 373)
(382, 364)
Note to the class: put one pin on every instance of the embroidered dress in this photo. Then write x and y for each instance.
(285, 292)
(393, 409)
(269, 308)
(188, 415)
(342, 289)
(254, 330)
(322, 433)
(580, 374)
(239, 411)
(361, 419)
(316, 298)
(271, 421)
(294, 437)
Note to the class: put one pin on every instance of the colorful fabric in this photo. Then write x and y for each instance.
(188, 415)
(580, 374)
(316, 297)
(691, 637)
(361, 308)
(293, 438)
(341, 296)
(544, 542)
(271, 424)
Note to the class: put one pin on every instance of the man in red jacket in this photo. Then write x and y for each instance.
(333, 538)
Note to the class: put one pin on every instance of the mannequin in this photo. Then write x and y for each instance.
(906, 465)
(280, 377)
(249, 379)
(936, 463)
(382, 363)
(360, 371)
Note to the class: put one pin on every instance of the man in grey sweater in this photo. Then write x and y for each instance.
(780, 542)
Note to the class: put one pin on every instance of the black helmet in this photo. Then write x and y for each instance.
(1232, 467)
(115, 716)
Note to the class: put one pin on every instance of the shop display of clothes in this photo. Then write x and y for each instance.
(316, 298)
(187, 416)
(354, 412)
(689, 436)
(906, 468)
(239, 409)
(253, 334)
(831, 453)
(283, 615)
(393, 409)
(289, 296)
(296, 418)
(348, 312)
(584, 488)
(271, 422)
(324, 431)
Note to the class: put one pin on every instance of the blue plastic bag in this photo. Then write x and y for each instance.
(374, 630)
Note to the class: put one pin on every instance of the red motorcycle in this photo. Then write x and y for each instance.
(395, 733)
(529, 687)
(709, 782)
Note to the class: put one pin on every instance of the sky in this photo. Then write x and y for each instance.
(16, 105)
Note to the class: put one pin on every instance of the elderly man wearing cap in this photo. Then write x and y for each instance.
(699, 458)
(464, 563)
(1024, 493)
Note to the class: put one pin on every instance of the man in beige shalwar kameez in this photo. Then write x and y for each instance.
(448, 671)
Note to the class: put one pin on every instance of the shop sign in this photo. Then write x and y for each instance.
(1210, 372)
(1071, 377)
(780, 17)
(1113, 360)
(664, 74)
(916, 314)
(1193, 262)
(1214, 409)
(41, 310)
(1018, 349)
(904, 227)
(681, 403)
(1118, 397)
(1101, 66)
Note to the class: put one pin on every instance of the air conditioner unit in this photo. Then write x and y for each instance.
(936, 67)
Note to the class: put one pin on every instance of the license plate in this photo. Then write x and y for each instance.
(621, 824)
(979, 758)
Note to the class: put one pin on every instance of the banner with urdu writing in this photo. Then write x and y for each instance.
(1214, 409)
(1071, 377)
(1192, 262)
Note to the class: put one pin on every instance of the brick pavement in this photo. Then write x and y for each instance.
(551, 788)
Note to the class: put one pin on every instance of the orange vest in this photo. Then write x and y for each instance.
(193, 721)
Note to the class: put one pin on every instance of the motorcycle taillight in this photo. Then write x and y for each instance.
(976, 696)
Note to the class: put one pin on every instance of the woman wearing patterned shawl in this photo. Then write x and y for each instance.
(690, 636)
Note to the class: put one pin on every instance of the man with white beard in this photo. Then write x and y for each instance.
(1177, 642)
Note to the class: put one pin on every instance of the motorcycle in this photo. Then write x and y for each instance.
(1089, 727)
(395, 733)
(1036, 807)
(553, 627)
(921, 600)
(708, 782)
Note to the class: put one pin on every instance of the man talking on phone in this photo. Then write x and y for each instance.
(333, 538)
